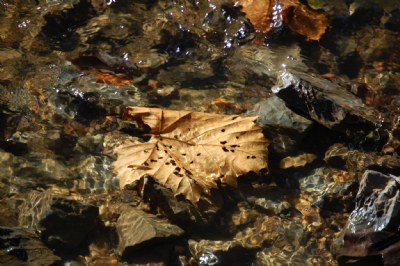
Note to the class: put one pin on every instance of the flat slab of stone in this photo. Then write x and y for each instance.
(137, 228)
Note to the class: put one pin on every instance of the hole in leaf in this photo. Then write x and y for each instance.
(188, 172)
(225, 149)
(223, 130)
(222, 142)
(198, 154)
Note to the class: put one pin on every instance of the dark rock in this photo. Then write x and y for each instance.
(325, 102)
(137, 229)
(56, 28)
(209, 253)
(394, 21)
(20, 246)
(285, 126)
(178, 211)
(372, 232)
(63, 223)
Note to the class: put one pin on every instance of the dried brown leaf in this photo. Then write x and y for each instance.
(308, 22)
(265, 14)
(189, 151)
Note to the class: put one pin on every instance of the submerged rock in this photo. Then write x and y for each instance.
(209, 253)
(330, 190)
(20, 246)
(285, 126)
(372, 232)
(63, 223)
(96, 175)
(377, 204)
(338, 155)
(273, 234)
(137, 229)
(327, 103)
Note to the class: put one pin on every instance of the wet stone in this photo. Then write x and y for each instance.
(301, 256)
(20, 246)
(285, 126)
(271, 206)
(325, 102)
(178, 211)
(372, 229)
(137, 229)
(338, 155)
(328, 189)
(48, 169)
(377, 204)
(208, 252)
(63, 223)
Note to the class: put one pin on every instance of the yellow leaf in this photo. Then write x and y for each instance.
(189, 151)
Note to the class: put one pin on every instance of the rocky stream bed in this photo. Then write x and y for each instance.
(328, 104)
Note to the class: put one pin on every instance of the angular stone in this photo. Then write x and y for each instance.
(325, 102)
(274, 113)
(63, 223)
(137, 229)
(377, 204)
(20, 246)
(372, 231)
(285, 126)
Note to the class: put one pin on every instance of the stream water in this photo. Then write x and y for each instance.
(330, 107)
